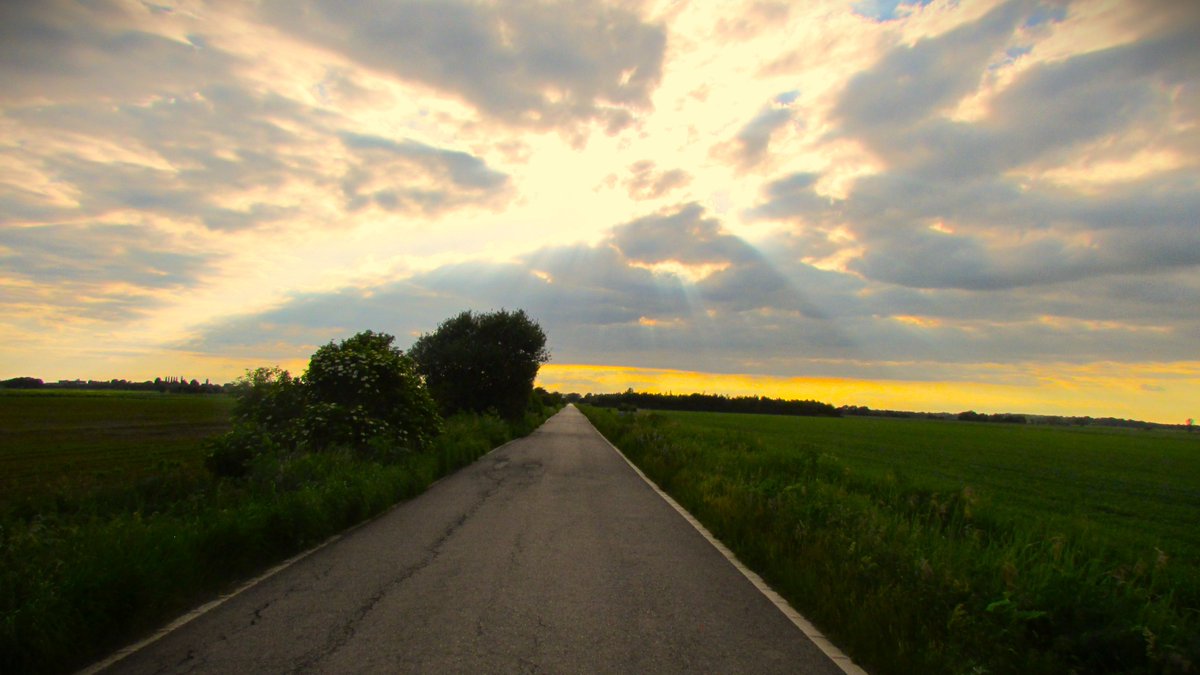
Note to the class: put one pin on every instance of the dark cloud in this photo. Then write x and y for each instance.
(1001, 231)
(762, 313)
(792, 196)
(684, 236)
(928, 259)
(188, 153)
(749, 147)
(528, 64)
(597, 303)
(910, 82)
(732, 275)
(1050, 111)
(97, 254)
(107, 272)
(62, 51)
(647, 182)
(409, 176)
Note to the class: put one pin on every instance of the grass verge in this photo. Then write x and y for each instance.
(85, 568)
(910, 568)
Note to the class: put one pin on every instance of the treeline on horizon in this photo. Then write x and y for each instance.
(630, 400)
(711, 403)
(1011, 418)
(173, 385)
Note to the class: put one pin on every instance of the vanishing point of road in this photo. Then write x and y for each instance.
(548, 555)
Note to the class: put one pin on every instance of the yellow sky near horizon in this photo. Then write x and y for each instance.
(1158, 394)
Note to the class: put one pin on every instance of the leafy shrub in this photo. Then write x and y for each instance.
(229, 455)
(269, 399)
(365, 388)
(361, 393)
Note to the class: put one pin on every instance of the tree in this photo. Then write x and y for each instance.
(481, 362)
(22, 383)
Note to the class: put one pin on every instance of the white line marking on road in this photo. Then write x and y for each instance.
(810, 631)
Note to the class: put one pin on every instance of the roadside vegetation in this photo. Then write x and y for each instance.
(123, 509)
(946, 547)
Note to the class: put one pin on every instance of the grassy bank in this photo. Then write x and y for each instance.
(942, 547)
(88, 562)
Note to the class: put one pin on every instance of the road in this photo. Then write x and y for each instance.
(548, 555)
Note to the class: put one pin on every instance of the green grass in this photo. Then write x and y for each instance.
(114, 527)
(67, 442)
(946, 547)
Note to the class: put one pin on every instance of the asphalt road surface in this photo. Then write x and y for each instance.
(547, 555)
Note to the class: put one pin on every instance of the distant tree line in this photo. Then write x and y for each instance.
(1010, 418)
(711, 403)
(1004, 418)
(864, 411)
(172, 385)
(1085, 421)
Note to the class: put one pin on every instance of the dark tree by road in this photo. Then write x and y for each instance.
(480, 362)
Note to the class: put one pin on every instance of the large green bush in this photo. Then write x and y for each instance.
(364, 390)
(361, 394)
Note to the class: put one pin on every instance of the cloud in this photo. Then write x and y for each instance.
(749, 147)
(409, 176)
(974, 203)
(525, 64)
(911, 82)
(100, 272)
(684, 235)
(633, 296)
(646, 182)
(62, 51)
(183, 157)
(754, 19)
(675, 290)
(899, 189)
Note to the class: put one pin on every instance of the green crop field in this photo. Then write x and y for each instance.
(1129, 488)
(952, 547)
(72, 441)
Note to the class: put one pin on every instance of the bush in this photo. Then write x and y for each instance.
(230, 455)
(362, 394)
(269, 400)
(364, 388)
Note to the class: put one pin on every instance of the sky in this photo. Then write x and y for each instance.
(943, 205)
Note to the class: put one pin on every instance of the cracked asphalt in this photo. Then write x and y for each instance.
(548, 555)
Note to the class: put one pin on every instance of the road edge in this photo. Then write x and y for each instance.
(839, 658)
(197, 612)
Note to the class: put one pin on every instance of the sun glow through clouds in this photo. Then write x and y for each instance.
(987, 202)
